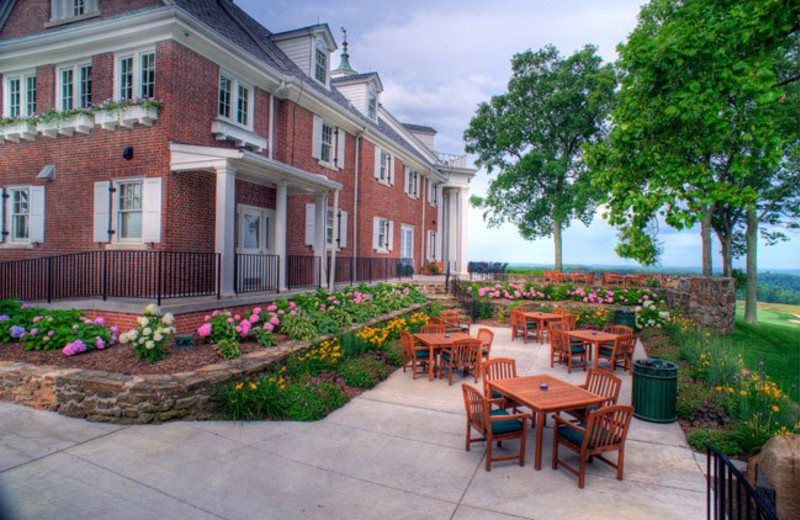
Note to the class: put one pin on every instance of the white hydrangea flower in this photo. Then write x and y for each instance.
(123, 338)
(168, 319)
(150, 345)
(133, 334)
(142, 340)
(158, 336)
(143, 321)
(147, 331)
(151, 309)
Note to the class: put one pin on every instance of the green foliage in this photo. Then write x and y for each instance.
(228, 349)
(150, 337)
(393, 352)
(311, 399)
(298, 327)
(264, 337)
(223, 328)
(435, 309)
(532, 135)
(363, 372)
(321, 358)
(723, 440)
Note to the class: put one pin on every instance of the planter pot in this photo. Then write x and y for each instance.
(126, 117)
(439, 268)
(81, 123)
(19, 130)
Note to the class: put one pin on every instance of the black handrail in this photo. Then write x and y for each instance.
(728, 494)
(256, 273)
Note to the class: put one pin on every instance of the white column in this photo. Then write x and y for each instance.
(463, 238)
(320, 219)
(335, 239)
(440, 223)
(452, 229)
(224, 228)
(280, 232)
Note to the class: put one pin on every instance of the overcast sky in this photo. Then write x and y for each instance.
(439, 58)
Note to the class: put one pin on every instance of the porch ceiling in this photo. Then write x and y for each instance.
(248, 166)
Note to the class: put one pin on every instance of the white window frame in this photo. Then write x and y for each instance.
(406, 228)
(320, 48)
(24, 97)
(327, 144)
(12, 239)
(372, 103)
(78, 101)
(385, 173)
(430, 249)
(62, 11)
(236, 84)
(411, 184)
(266, 239)
(117, 213)
(383, 234)
(433, 198)
(136, 64)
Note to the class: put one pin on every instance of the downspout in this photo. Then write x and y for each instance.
(422, 233)
(355, 206)
(271, 124)
(335, 245)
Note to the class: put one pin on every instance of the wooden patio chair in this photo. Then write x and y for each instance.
(626, 345)
(453, 323)
(590, 278)
(493, 426)
(464, 355)
(600, 382)
(561, 311)
(435, 320)
(416, 355)
(498, 368)
(605, 431)
(433, 328)
(517, 323)
(563, 351)
(555, 325)
(486, 338)
(617, 329)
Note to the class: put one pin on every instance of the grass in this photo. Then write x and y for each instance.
(775, 341)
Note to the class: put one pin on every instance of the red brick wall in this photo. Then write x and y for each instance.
(30, 16)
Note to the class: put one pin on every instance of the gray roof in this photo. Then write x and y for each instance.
(354, 77)
(419, 128)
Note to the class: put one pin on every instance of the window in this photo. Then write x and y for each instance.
(321, 62)
(68, 9)
(331, 221)
(406, 241)
(20, 95)
(382, 234)
(372, 103)
(412, 183)
(328, 143)
(129, 210)
(386, 166)
(432, 193)
(431, 246)
(255, 229)
(235, 100)
(19, 198)
(136, 75)
(75, 87)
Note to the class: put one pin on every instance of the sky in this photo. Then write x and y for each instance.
(438, 59)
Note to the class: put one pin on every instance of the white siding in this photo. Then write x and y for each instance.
(355, 94)
(299, 51)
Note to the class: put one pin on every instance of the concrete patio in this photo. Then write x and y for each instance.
(396, 451)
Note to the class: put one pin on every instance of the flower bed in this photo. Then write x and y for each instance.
(308, 386)
(530, 291)
(720, 400)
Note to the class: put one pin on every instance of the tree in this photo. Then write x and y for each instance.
(533, 136)
(696, 132)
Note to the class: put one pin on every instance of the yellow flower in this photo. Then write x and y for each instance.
(775, 409)
(718, 388)
(743, 392)
(253, 386)
(239, 386)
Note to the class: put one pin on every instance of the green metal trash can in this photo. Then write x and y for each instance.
(655, 390)
(625, 317)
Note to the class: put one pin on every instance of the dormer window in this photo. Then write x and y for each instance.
(372, 103)
(66, 10)
(321, 62)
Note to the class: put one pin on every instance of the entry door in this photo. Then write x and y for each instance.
(256, 230)
(407, 242)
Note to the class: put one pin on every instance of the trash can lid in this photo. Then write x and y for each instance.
(656, 363)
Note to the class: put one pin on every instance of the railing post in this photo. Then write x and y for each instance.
(49, 279)
(319, 271)
(278, 274)
(104, 259)
(159, 287)
(236, 273)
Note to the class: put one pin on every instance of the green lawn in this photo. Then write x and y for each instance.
(776, 341)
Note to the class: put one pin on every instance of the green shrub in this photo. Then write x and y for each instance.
(752, 433)
(363, 372)
(298, 327)
(393, 351)
(692, 395)
(227, 349)
(723, 440)
(311, 399)
(264, 337)
(324, 357)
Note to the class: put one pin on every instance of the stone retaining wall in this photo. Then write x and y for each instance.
(708, 300)
(137, 399)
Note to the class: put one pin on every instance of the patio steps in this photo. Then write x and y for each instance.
(436, 293)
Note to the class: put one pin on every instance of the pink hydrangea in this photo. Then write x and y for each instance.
(207, 318)
(36, 319)
(215, 313)
(254, 317)
(100, 320)
(269, 326)
(204, 330)
(275, 320)
(257, 310)
(272, 308)
(229, 320)
(292, 305)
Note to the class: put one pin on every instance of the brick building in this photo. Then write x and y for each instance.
(180, 147)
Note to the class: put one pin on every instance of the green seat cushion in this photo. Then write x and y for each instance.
(422, 353)
(504, 427)
(496, 394)
(532, 326)
(571, 434)
(446, 356)
(485, 352)
(576, 341)
(605, 351)
(578, 350)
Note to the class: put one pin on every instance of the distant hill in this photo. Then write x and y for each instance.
(638, 269)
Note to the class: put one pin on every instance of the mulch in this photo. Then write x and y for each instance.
(120, 359)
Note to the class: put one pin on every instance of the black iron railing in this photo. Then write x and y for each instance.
(362, 269)
(256, 273)
(303, 271)
(155, 275)
(728, 494)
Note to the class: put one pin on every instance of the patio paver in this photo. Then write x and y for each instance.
(394, 452)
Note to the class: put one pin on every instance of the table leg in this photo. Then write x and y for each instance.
(596, 346)
(431, 360)
(540, 418)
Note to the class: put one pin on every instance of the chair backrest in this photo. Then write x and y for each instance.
(437, 328)
(408, 344)
(476, 407)
(561, 311)
(608, 427)
(514, 317)
(486, 338)
(626, 345)
(435, 320)
(465, 351)
(569, 321)
(498, 368)
(618, 329)
(602, 382)
(559, 340)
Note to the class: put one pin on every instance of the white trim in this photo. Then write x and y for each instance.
(266, 237)
(403, 229)
(234, 100)
(76, 84)
(22, 76)
(136, 55)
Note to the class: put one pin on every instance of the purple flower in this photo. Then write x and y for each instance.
(4, 317)
(17, 331)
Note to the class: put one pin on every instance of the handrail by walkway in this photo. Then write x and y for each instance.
(728, 494)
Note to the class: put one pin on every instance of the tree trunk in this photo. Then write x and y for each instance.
(557, 244)
(705, 237)
(727, 243)
(751, 292)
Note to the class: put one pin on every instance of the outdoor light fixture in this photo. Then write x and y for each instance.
(127, 153)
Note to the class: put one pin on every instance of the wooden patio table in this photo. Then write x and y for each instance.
(541, 318)
(595, 338)
(559, 395)
(436, 342)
